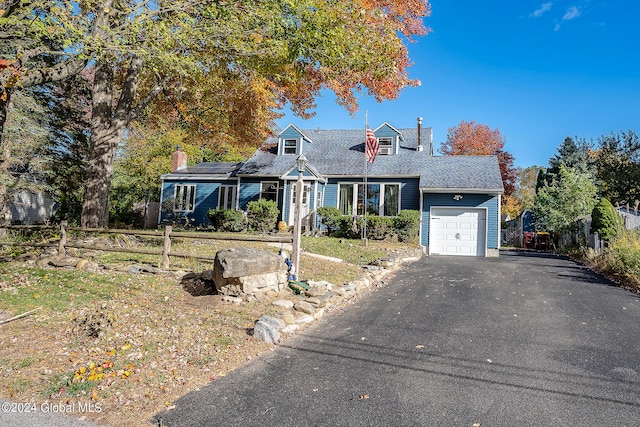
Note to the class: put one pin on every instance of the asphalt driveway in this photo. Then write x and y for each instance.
(524, 339)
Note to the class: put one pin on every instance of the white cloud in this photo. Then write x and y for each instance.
(571, 13)
(545, 7)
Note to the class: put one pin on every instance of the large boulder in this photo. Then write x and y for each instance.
(249, 271)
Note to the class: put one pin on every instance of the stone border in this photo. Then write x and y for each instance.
(297, 310)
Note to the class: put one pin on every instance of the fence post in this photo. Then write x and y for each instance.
(63, 239)
(167, 247)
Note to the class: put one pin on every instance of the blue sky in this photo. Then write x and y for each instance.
(536, 70)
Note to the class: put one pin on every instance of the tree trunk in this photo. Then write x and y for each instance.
(108, 125)
(104, 141)
(5, 199)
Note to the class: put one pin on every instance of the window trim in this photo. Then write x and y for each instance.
(285, 146)
(189, 198)
(234, 198)
(277, 184)
(382, 141)
(386, 146)
(381, 204)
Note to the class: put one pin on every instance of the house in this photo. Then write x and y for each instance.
(458, 196)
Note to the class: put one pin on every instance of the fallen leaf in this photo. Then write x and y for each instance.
(419, 346)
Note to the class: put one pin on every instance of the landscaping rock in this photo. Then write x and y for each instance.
(305, 319)
(139, 268)
(272, 321)
(290, 328)
(251, 270)
(283, 303)
(266, 332)
(287, 317)
(322, 283)
(316, 291)
(305, 307)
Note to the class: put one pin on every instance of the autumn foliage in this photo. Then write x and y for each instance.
(475, 139)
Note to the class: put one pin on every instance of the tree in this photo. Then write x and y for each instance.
(143, 49)
(570, 197)
(511, 206)
(23, 154)
(617, 166)
(67, 119)
(605, 220)
(526, 181)
(33, 39)
(474, 139)
(570, 155)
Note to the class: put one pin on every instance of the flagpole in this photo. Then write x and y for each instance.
(366, 168)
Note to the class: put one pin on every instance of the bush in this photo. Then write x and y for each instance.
(407, 225)
(262, 215)
(227, 219)
(625, 251)
(605, 220)
(331, 217)
(379, 227)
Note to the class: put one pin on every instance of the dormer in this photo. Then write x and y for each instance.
(388, 139)
(292, 141)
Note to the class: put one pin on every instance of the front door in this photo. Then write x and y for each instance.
(306, 197)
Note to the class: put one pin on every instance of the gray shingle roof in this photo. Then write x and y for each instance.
(213, 170)
(341, 153)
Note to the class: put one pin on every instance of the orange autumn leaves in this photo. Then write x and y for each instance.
(475, 139)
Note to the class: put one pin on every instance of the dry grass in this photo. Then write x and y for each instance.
(130, 343)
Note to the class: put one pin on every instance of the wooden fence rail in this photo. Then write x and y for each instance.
(168, 233)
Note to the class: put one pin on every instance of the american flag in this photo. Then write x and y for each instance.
(371, 146)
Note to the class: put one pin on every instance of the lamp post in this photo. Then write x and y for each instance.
(301, 164)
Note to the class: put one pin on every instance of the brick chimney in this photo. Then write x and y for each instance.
(178, 159)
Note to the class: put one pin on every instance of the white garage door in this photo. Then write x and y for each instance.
(458, 231)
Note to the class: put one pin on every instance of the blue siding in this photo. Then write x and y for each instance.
(331, 193)
(292, 133)
(410, 194)
(249, 191)
(387, 132)
(468, 201)
(206, 198)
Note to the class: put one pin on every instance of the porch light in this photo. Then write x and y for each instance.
(301, 163)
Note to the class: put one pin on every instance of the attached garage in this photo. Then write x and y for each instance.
(458, 231)
(460, 224)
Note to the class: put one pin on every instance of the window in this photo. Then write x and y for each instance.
(385, 142)
(391, 201)
(227, 197)
(345, 199)
(290, 146)
(269, 190)
(382, 199)
(184, 198)
(386, 146)
(305, 193)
